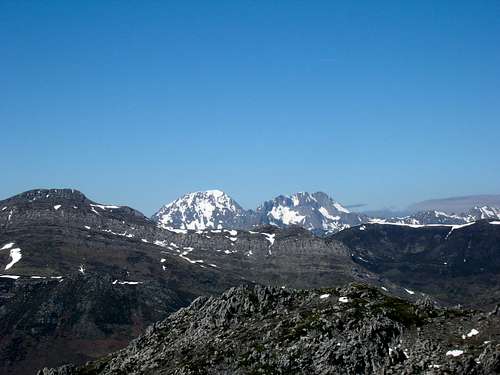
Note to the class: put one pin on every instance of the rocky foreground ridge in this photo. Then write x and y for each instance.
(350, 330)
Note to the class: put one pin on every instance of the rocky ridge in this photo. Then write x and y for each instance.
(348, 330)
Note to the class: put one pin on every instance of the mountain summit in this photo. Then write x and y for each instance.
(316, 212)
(200, 210)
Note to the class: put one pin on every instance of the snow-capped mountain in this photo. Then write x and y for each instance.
(214, 209)
(316, 212)
(200, 210)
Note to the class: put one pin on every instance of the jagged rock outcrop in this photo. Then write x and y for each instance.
(349, 330)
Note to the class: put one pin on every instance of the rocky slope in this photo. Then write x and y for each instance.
(350, 330)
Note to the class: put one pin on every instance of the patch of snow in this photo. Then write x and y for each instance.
(190, 260)
(57, 206)
(10, 277)
(87, 227)
(409, 291)
(455, 353)
(175, 230)
(7, 246)
(163, 260)
(323, 296)
(326, 214)
(384, 288)
(103, 206)
(270, 237)
(15, 255)
(340, 208)
(81, 269)
(124, 234)
(3, 209)
(495, 222)
(343, 299)
(473, 332)
(37, 277)
(94, 211)
(286, 215)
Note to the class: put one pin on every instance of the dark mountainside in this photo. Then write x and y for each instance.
(350, 330)
(80, 279)
(456, 265)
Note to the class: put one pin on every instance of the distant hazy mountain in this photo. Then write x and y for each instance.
(434, 217)
(457, 204)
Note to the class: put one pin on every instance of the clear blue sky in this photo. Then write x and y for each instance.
(132, 102)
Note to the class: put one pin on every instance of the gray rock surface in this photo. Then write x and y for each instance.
(349, 330)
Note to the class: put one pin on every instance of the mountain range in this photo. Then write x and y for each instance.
(316, 212)
(80, 279)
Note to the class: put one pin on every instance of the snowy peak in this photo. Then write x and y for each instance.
(316, 212)
(201, 210)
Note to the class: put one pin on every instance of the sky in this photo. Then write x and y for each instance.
(384, 103)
